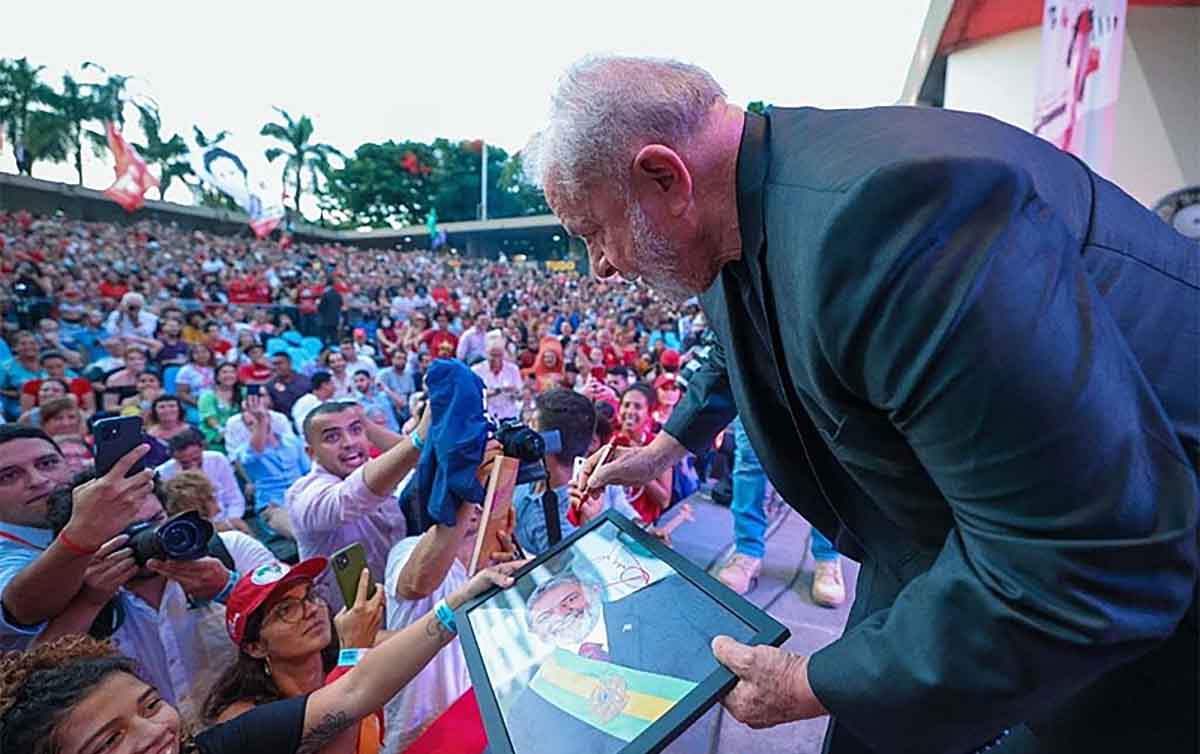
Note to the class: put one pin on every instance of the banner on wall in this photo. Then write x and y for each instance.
(133, 179)
(1080, 76)
(224, 171)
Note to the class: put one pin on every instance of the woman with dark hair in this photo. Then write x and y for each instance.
(219, 404)
(284, 637)
(167, 418)
(73, 696)
(635, 429)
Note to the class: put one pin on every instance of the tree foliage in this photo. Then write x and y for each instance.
(303, 155)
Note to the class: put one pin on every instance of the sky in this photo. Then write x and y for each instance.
(463, 70)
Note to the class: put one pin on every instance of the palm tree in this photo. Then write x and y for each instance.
(202, 139)
(77, 104)
(170, 155)
(22, 94)
(301, 154)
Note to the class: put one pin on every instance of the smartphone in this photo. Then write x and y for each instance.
(115, 437)
(348, 565)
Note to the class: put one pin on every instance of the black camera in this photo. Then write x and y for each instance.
(526, 445)
(181, 537)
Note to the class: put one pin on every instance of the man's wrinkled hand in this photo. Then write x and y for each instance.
(772, 684)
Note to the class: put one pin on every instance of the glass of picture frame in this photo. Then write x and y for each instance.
(603, 645)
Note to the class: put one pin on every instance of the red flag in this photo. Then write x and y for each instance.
(133, 178)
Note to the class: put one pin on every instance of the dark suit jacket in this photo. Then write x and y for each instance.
(666, 628)
(976, 363)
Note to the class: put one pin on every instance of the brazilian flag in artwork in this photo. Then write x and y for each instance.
(615, 699)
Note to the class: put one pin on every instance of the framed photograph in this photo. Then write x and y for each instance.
(602, 646)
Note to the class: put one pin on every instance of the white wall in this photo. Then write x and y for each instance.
(1157, 146)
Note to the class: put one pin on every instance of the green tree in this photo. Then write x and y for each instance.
(386, 185)
(302, 154)
(78, 105)
(170, 155)
(757, 106)
(32, 132)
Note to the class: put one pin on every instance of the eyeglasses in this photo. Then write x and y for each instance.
(292, 609)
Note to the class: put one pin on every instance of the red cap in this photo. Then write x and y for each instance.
(664, 379)
(258, 586)
(669, 359)
(359, 331)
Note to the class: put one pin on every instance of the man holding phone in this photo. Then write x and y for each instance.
(348, 496)
(40, 573)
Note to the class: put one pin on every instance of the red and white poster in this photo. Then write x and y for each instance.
(133, 178)
(1080, 77)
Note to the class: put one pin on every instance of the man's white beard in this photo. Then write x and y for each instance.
(659, 260)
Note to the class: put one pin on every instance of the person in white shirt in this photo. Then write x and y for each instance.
(239, 427)
(501, 377)
(420, 571)
(472, 344)
(131, 321)
(343, 385)
(322, 390)
(356, 360)
(168, 615)
(188, 454)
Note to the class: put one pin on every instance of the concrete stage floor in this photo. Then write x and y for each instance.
(783, 589)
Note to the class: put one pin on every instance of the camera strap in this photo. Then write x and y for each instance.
(550, 511)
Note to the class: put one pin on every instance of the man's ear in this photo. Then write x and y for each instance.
(661, 177)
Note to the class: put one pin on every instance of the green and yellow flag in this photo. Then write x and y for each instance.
(618, 700)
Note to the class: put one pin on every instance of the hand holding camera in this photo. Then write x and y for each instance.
(110, 569)
(201, 579)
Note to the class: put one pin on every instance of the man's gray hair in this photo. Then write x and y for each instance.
(606, 108)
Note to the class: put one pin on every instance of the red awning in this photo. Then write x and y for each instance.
(975, 20)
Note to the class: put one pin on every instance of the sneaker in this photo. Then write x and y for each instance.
(740, 572)
(827, 587)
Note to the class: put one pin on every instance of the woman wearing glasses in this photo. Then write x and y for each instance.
(73, 696)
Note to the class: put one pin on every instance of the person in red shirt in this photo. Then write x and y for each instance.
(113, 288)
(55, 367)
(306, 302)
(214, 341)
(437, 338)
(258, 371)
(636, 430)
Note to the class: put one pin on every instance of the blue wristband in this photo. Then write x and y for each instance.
(417, 442)
(229, 585)
(445, 616)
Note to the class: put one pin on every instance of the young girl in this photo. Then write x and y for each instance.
(635, 431)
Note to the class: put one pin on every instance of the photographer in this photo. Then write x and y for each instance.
(41, 572)
(574, 416)
(420, 572)
(164, 614)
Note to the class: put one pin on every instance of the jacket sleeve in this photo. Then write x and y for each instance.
(975, 328)
(707, 405)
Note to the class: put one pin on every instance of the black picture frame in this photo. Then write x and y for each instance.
(672, 723)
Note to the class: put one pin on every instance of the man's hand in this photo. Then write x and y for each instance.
(103, 507)
(358, 625)
(110, 569)
(631, 467)
(772, 684)
(202, 579)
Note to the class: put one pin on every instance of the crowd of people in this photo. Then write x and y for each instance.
(281, 389)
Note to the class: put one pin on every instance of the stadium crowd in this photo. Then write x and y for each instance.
(281, 389)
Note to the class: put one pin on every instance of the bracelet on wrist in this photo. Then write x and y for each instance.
(417, 442)
(75, 549)
(445, 616)
(228, 588)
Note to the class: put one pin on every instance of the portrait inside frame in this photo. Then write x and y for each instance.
(603, 645)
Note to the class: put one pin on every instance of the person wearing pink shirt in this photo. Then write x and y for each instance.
(349, 497)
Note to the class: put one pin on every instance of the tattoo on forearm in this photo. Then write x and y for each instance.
(435, 630)
(316, 737)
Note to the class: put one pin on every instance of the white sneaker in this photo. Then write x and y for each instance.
(740, 572)
(828, 589)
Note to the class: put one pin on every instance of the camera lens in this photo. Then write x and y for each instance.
(185, 537)
(343, 561)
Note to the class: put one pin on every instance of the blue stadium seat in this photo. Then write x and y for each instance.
(312, 347)
(276, 345)
(168, 377)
